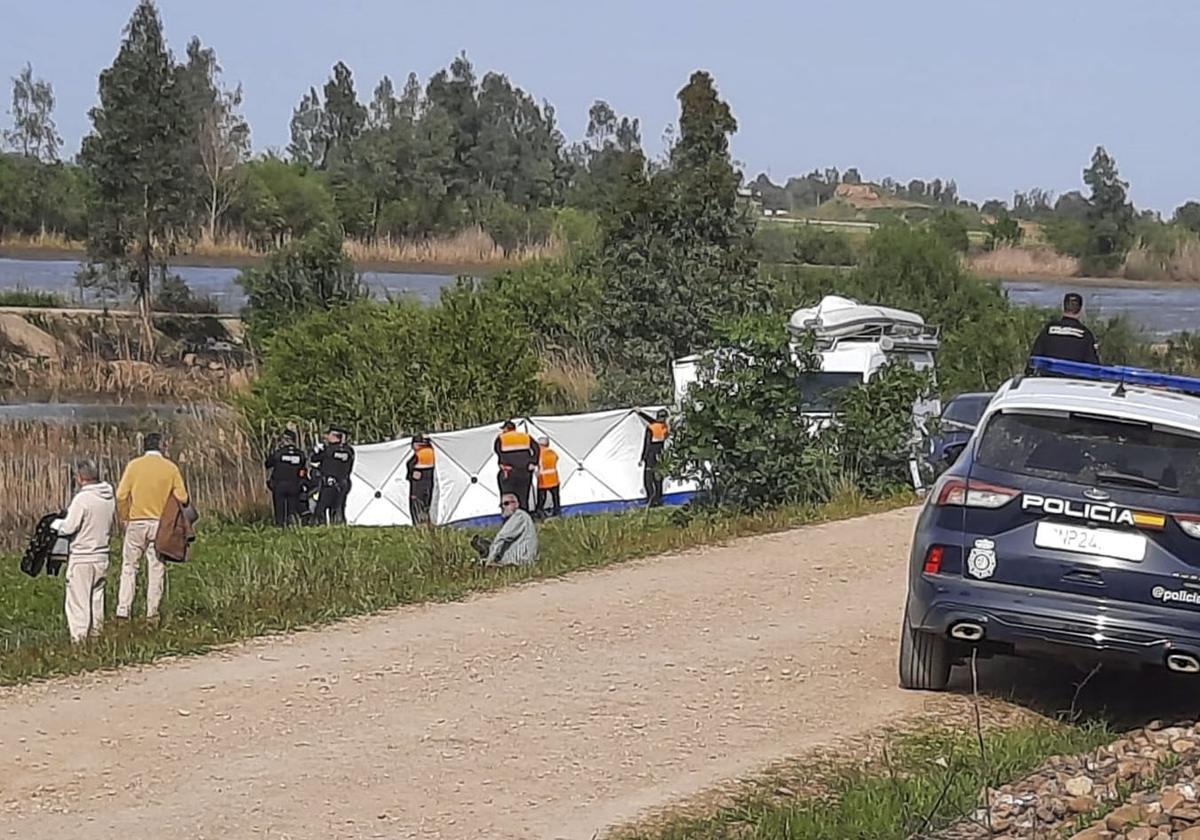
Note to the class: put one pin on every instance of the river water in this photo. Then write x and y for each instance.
(1157, 311)
(58, 276)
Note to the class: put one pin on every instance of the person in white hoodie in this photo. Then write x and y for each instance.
(88, 525)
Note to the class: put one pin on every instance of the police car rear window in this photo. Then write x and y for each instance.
(1092, 450)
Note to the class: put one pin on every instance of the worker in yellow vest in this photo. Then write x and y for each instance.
(420, 480)
(517, 454)
(547, 481)
(657, 432)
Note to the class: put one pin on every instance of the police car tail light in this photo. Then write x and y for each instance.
(933, 560)
(977, 494)
(1189, 523)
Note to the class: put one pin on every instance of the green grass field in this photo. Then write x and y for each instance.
(247, 581)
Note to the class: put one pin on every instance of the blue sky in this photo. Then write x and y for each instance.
(999, 96)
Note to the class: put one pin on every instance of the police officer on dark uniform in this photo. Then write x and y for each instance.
(517, 453)
(287, 479)
(420, 469)
(652, 447)
(1066, 337)
(335, 460)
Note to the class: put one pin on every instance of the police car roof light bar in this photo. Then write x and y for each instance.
(1117, 373)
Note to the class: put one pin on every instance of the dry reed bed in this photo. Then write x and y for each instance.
(221, 463)
(1181, 265)
(120, 380)
(472, 246)
(1040, 261)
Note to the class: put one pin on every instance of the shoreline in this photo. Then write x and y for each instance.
(34, 253)
(1088, 282)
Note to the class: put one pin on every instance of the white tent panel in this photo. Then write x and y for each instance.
(598, 465)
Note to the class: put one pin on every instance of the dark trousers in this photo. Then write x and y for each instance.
(555, 500)
(331, 504)
(517, 480)
(288, 503)
(420, 501)
(652, 483)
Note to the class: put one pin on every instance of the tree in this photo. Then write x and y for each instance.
(138, 157)
(410, 100)
(309, 132)
(993, 207)
(951, 228)
(33, 133)
(1005, 230)
(1110, 217)
(384, 107)
(222, 135)
(455, 92)
(1072, 205)
(345, 116)
(309, 275)
(1188, 215)
(677, 251)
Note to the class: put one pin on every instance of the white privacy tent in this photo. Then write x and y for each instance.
(598, 470)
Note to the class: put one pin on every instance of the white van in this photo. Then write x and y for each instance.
(852, 341)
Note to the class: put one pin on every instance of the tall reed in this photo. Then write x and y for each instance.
(220, 460)
(1040, 261)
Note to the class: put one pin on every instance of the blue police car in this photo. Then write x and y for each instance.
(1069, 526)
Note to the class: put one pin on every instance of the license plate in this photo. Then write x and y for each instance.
(1095, 541)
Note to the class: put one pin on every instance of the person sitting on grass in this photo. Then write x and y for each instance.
(516, 544)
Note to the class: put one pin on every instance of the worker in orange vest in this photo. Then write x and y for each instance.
(517, 453)
(420, 480)
(547, 484)
(652, 448)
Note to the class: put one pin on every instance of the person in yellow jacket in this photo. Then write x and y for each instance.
(547, 479)
(142, 494)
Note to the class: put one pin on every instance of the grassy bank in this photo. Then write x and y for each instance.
(249, 581)
(925, 781)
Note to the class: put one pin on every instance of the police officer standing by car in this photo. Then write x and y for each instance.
(1066, 337)
(287, 479)
(335, 460)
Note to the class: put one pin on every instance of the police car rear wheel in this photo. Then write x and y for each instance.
(924, 659)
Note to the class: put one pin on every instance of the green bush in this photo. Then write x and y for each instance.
(1066, 235)
(31, 298)
(400, 367)
(309, 274)
(951, 227)
(556, 301)
(175, 295)
(743, 434)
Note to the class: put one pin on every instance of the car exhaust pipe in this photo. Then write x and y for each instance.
(969, 631)
(1183, 663)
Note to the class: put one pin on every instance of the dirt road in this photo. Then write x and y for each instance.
(549, 710)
